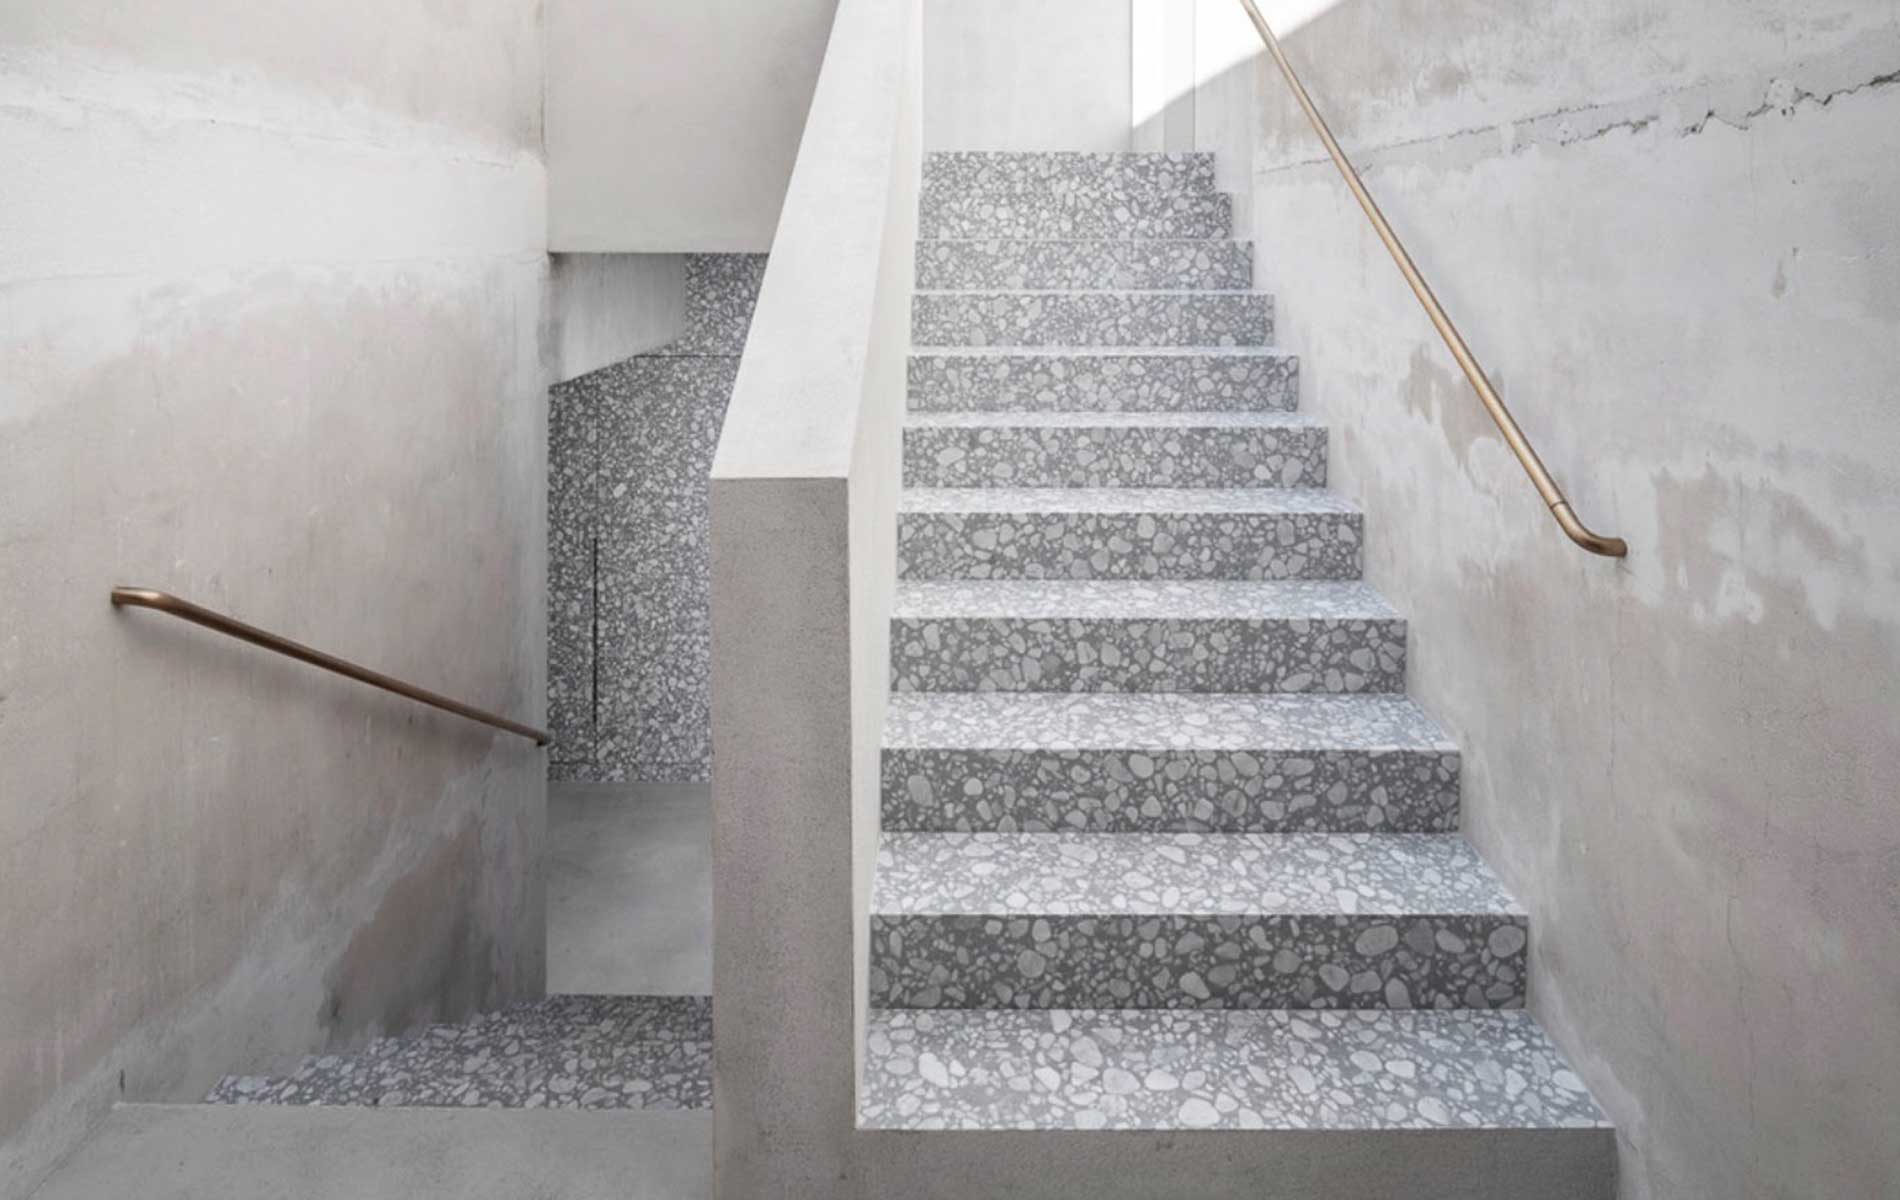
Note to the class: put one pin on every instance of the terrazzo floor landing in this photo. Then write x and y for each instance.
(629, 912)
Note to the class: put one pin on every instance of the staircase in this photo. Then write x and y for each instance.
(1165, 845)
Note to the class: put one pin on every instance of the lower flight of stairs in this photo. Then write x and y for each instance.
(1166, 848)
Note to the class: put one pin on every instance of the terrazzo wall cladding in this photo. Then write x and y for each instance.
(960, 450)
(630, 448)
(1091, 319)
(995, 264)
(1026, 535)
(1112, 381)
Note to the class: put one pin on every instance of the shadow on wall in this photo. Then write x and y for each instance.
(629, 450)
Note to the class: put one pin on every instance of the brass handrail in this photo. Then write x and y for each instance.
(1595, 543)
(185, 610)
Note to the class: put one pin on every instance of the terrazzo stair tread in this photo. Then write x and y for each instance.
(1075, 214)
(564, 1051)
(1017, 169)
(1084, 264)
(1044, 762)
(1105, 875)
(1091, 318)
(1145, 636)
(1104, 378)
(1182, 1070)
(1186, 920)
(1139, 533)
(1168, 449)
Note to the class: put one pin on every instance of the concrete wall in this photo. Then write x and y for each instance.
(271, 303)
(673, 126)
(1027, 74)
(804, 503)
(1669, 231)
(606, 308)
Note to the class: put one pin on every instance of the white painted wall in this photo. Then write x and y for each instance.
(672, 126)
(1027, 74)
(272, 285)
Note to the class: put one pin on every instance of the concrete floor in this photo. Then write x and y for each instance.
(630, 889)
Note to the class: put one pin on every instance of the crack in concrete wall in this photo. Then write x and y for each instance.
(1682, 112)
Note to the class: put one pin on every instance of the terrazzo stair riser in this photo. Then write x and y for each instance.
(998, 264)
(1276, 1069)
(1026, 536)
(950, 172)
(1165, 763)
(1146, 654)
(1091, 319)
(1148, 790)
(1086, 213)
(959, 455)
(1370, 961)
(1186, 380)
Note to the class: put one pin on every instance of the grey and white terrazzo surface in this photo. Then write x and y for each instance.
(1105, 763)
(721, 292)
(1378, 876)
(1104, 379)
(1118, 211)
(1127, 533)
(1173, 636)
(593, 1052)
(630, 447)
(951, 173)
(1136, 319)
(1103, 450)
(1103, 265)
(1191, 921)
(1218, 1070)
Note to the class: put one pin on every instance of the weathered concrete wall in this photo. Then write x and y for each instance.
(672, 126)
(804, 546)
(1027, 74)
(1670, 231)
(272, 288)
